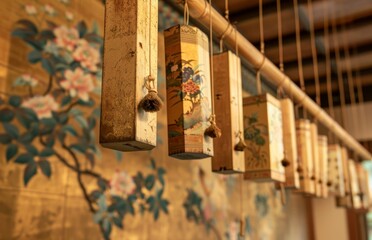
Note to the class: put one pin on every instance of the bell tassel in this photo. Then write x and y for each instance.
(151, 102)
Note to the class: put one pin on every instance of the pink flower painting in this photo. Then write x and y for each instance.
(87, 55)
(66, 38)
(78, 83)
(122, 184)
(42, 105)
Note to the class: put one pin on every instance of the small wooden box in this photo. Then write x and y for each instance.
(355, 190)
(345, 201)
(126, 67)
(305, 155)
(188, 92)
(263, 132)
(323, 165)
(229, 113)
(314, 162)
(292, 178)
(335, 171)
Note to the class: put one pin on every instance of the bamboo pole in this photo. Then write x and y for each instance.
(199, 10)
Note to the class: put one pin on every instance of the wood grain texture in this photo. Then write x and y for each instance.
(229, 113)
(130, 56)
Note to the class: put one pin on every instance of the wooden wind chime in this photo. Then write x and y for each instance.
(289, 162)
(319, 142)
(303, 126)
(335, 187)
(189, 98)
(263, 131)
(229, 148)
(129, 96)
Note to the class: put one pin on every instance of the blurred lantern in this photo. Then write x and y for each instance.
(323, 166)
(344, 201)
(263, 132)
(313, 164)
(355, 190)
(335, 171)
(188, 92)
(229, 148)
(292, 177)
(129, 71)
(364, 186)
(305, 156)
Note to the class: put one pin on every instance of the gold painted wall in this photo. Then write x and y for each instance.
(54, 208)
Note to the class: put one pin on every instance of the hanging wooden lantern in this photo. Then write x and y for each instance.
(344, 201)
(131, 29)
(305, 155)
(323, 166)
(364, 186)
(188, 92)
(292, 177)
(335, 173)
(314, 161)
(263, 132)
(228, 155)
(354, 185)
(362, 176)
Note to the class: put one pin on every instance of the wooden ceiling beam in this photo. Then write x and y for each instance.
(366, 80)
(345, 12)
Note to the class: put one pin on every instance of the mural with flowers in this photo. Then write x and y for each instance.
(73, 189)
(58, 120)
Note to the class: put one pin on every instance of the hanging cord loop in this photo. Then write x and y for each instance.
(213, 130)
(151, 102)
(262, 49)
(186, 13)
(299, 53)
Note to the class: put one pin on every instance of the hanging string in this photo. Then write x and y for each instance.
(339, 71)
(228, 25)
(241, 233)
(280, 91)
(359, 87)
(314, 52)
(348, 67)
(298, 47)
(240, 146)
(285, 161)
(151, 102)
(213, 130)
(186, 14)
(262, 49)
(328, 72)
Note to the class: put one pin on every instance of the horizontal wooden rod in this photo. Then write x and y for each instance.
(199, 10)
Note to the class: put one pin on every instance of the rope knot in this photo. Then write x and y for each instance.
(213, 131)
(151, 102)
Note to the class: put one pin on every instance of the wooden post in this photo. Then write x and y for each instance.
(188, 92)
(229, 112)
(264, 138)
(129, 52)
